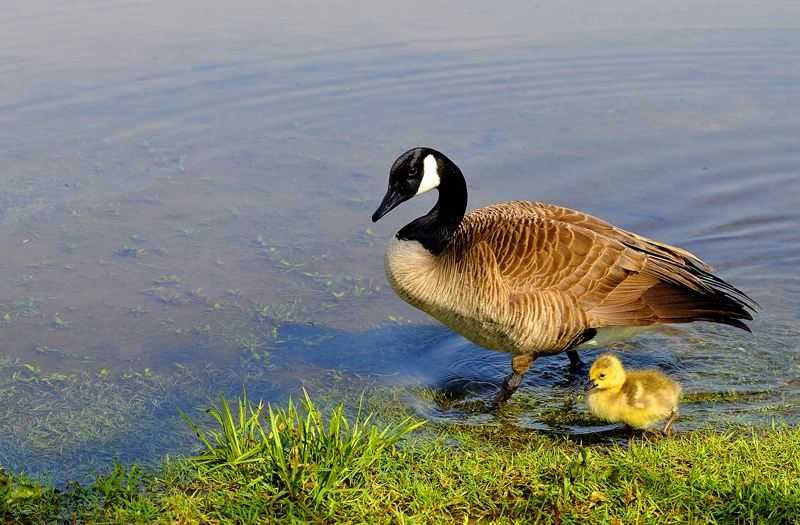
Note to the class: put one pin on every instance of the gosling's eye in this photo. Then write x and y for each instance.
(602, 376)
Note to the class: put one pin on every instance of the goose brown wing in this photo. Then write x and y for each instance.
(606, 229)
(615, 278)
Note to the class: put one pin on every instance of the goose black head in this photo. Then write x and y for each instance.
(415, 172)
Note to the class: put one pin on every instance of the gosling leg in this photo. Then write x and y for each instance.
(672, 417)
(575, 362)
(519, 365)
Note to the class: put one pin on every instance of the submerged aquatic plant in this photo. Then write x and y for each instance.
(298, 452)
(237, 441)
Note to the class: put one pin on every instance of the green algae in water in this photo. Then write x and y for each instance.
(731, 396)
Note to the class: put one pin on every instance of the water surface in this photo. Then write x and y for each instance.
(185, 203)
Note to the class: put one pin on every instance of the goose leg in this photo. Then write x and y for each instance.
(575, 362)
(519, 365)
(672, 417)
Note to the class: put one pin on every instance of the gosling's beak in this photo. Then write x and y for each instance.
(591, 385)
(390, 201)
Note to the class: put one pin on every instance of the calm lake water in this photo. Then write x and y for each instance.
(185, 197)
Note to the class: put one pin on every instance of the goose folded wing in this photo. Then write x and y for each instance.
(613, 277)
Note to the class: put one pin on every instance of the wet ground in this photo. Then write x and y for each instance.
(185, 203)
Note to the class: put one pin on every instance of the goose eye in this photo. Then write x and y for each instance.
(602, 376)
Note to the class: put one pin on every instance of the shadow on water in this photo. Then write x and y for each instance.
(75, 424)
(68, 426)
(450, 380)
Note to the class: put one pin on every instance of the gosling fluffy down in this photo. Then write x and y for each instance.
(638, 398)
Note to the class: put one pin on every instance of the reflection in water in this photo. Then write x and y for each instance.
(196, 219)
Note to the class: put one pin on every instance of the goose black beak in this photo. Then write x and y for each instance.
(591, 385)
(390, 201)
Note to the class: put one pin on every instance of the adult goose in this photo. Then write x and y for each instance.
(536, 279)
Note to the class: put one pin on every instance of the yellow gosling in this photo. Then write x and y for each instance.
(638, 398)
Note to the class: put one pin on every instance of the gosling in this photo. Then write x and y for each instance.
(638, 398)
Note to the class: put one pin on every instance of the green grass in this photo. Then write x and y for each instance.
(303, 456)
(294, 464)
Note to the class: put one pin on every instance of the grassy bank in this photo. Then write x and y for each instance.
(294, 465)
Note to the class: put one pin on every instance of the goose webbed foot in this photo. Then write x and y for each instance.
(519, 365)
(507, 389)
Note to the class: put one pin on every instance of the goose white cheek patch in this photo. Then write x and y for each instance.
(430, 175)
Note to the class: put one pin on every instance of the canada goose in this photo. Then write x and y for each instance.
(638, 398)
(537, 279)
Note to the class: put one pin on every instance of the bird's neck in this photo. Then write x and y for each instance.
(617, 388)
(435, 229)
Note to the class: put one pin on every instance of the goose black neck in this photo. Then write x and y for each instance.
(435, 230)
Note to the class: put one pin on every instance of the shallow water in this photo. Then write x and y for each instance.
(185, 203)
